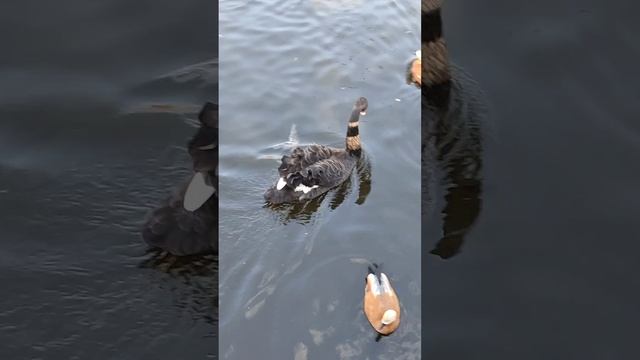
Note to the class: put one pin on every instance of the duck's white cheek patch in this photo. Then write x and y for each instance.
(281, 184)
(305, 189)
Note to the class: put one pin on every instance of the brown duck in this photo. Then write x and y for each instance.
(381, 305)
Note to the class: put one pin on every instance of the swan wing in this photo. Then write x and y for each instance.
(302, 157)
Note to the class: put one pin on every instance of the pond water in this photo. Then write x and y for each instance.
(292, 277)
(548, 268)
(96, 107)
(95, 112)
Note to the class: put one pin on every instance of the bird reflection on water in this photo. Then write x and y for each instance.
(184, 244)
(453, 140)
(452, 116)
(459, 145)
(302, 212)
(187, 223)
(199, 276)
(452, 153)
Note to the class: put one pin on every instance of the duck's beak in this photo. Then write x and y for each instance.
(198, 192)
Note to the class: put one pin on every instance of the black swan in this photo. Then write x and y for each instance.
(310, 171)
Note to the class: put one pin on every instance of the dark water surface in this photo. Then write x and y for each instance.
(547, 270)
(292, 278)
(84, 156)
(550, 269)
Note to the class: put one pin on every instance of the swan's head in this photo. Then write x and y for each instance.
(389, 317)
(361, 105)
(419, 54)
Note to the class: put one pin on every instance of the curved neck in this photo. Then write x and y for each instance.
(353, 133)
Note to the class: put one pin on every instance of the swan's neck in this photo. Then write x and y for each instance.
(436, 72)
(353, 133)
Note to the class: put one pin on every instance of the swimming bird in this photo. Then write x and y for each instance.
(187, 223)
(310, 171)
(381, 304)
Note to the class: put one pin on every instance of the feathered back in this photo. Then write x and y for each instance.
(380, 301)
(310, 171)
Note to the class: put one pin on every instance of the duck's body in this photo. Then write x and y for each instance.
(309, 171)
(187, 224)
(381, 304)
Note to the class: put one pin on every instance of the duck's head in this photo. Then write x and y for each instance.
(389, 317)
(361, 105)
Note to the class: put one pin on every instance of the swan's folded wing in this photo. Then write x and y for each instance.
(302, 157)
(327, 173)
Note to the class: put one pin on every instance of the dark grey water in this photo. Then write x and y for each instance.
(292, 279)
(550, 269)
(84, 156)
(547, 271)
